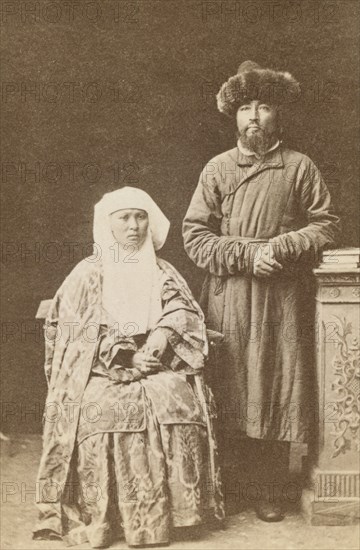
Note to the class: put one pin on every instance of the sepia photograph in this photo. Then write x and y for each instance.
(180, 274)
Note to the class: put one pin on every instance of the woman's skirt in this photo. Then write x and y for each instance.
(145, 476)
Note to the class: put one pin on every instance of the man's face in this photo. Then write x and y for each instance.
(257, 125)
(129, 226)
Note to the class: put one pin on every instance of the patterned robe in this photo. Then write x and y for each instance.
(157, 429)
(264, 383)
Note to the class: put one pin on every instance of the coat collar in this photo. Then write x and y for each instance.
(273, 159)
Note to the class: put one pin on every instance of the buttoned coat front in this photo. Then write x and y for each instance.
(263, 379)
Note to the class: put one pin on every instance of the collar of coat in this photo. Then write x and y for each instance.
(273, 158)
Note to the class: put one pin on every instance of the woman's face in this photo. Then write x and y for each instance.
(129, 226)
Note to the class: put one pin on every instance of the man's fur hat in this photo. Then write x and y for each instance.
(252, 82)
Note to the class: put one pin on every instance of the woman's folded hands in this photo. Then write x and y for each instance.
(130, 367)
(156, 343)
(141, 364)
(148, 359)
(146, 363)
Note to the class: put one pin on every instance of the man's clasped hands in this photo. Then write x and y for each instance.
(264, 262)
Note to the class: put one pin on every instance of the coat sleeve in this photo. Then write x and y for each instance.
(50, 334)
(182, 320)
(204, 244)
(323, 225)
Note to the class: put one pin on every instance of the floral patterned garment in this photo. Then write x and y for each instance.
(146, 447)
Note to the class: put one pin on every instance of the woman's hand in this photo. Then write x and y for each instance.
(145, 363)
(156, 343)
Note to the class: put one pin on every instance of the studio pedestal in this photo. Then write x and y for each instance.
(334, 495)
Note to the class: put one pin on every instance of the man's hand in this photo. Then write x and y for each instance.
(156, 343)
(265, 264)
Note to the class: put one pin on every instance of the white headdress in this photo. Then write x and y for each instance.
(131, 291)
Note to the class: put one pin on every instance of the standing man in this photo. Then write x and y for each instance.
(259, 217)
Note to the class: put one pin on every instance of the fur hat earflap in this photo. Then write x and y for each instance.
(252, 82)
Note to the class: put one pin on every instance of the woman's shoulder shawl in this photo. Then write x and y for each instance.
(80, 286)
(73, 305)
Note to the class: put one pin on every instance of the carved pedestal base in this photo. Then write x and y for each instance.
(334, 498)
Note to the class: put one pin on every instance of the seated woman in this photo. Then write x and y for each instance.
(128, 440)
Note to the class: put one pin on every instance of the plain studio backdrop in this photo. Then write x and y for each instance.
(101, 94)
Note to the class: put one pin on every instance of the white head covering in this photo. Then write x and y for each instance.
(131, 291)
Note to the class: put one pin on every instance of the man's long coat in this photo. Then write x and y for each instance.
(264, 379)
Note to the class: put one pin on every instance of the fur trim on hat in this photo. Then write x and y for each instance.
(252, 83)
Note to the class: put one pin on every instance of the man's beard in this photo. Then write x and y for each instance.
(259, 142)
